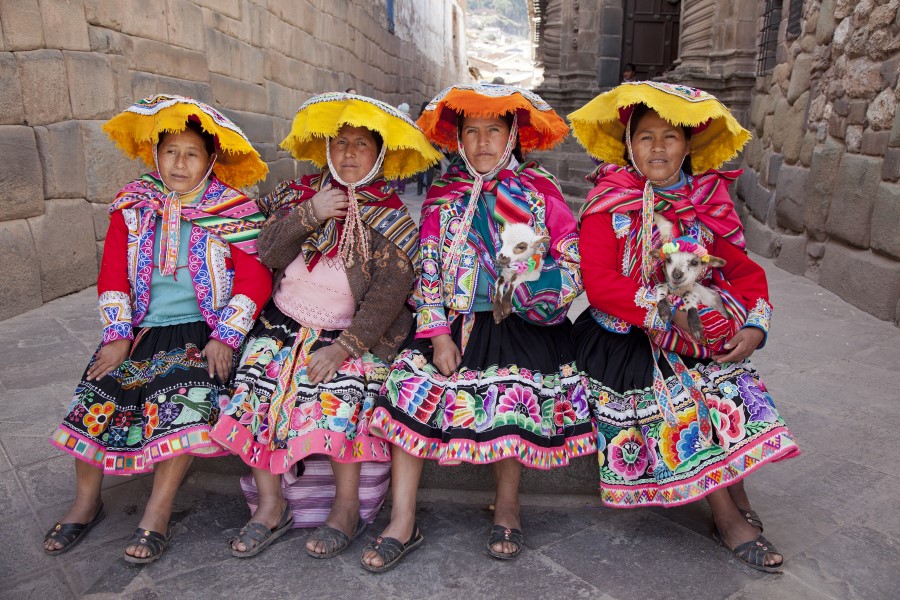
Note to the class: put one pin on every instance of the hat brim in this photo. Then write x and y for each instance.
(540, 128)
(716, 136)
(407, 151)
(136, 132)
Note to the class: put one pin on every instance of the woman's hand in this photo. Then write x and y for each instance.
(324, 363)
(447, 356)
(329, 202)
(218, 357)
(742, 345)
(109, 358)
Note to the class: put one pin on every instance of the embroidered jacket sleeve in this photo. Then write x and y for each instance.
(392, 278)
(113, 285)
(547, 300)
(746, 280)
(250, 289)
(283, 234)
(431, 317)
(607, 289)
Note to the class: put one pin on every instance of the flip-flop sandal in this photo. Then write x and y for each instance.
(753, 553)
(752, 517)
(256, 537)
(391, 550)
(501, 534)
(69, 534)
(335, 540)
(153, 540)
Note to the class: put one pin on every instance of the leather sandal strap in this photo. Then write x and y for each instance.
(753, 552)
(331, 537)
(153, 540)
(387, 549)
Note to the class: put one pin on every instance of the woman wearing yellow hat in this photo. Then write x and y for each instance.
(345, 249)
(179, 289)
(471, 387)
(678, 418)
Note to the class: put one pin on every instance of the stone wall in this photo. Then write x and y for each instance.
(67, 66)
(821, 191)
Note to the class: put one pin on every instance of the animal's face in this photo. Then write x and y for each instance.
(519, 243)
(683, 269)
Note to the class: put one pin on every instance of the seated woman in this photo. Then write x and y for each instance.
(345, 249)
(679, 419)
(179, 289)
(469, 388)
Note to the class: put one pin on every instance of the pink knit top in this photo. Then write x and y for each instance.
(321, 298)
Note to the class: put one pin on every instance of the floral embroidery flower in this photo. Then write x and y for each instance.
(727, 419)
(563, 414)
(579, 398)
(151, 418)
(95, 419)
(117, 437)
(169, 411)
(337, 412)
(689, 441)
(519, 405)
(193, 354)
(728, 389)
(756, 399)
(416, 396)
(628, 456)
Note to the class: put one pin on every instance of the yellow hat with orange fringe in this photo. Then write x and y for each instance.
(540, 128)
(407, 151)
(136, 131)
(716, 136)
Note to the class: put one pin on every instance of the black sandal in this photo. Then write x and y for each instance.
(752, 517)
(501, 534)
(335, 540)
(753, 553)
(153, 540)
(391, 550)
(256, 537)
(69, 534)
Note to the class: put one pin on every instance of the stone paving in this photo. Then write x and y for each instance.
(834, 372)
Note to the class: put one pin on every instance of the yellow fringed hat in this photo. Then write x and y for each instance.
(136, 131)
(716, 136)
(407, 151)
(540, 128)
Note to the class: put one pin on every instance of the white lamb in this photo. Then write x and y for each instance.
(685, 262)
(520, 259)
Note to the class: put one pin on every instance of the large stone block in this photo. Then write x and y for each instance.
(185, 24)
(92, 88)
(12, 111)
(45, 87)
(163, 59)
(19, 270)
(230, 8)
(790, 196)
(792, 253)
(825, 24)
(234, 58)
(258, 128)
(135, 17)
(882, 110)
(65, 24)
(199, 90)
(886, 220)
(853, 199)
(238, 94)
(62, 158)
(890, 169)
(760, 238)
(67, 253)
(106, 168)
(100, 214)
(781, 123)
(22, 27)
(795, 130)
(823, 175)
(21, 181)
(800, 75)
(862, 278)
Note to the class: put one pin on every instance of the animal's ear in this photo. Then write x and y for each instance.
(544, 239)
(655, 253)
(716, 262)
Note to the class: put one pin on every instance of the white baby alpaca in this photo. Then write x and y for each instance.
(683, 270)
(519, 243)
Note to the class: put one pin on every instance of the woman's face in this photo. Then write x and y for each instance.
(182, 160)
(659, 147)
(353, 153)
(484, 140)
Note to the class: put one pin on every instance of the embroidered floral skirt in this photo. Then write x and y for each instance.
(647, 461)
(276, 417)
(158, 404)
(516, 394)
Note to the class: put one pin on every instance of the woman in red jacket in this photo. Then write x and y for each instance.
(179, 289)
(678, 418)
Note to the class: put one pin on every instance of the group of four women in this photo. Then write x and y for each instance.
(337, 358)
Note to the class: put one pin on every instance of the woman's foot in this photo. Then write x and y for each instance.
(506, 515)
(268, 514)
(344, 517)
(737, 531)
(154, 521)
(81, 511)
(401, 529)
(739, 496)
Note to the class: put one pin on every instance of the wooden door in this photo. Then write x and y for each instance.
(650, 40)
